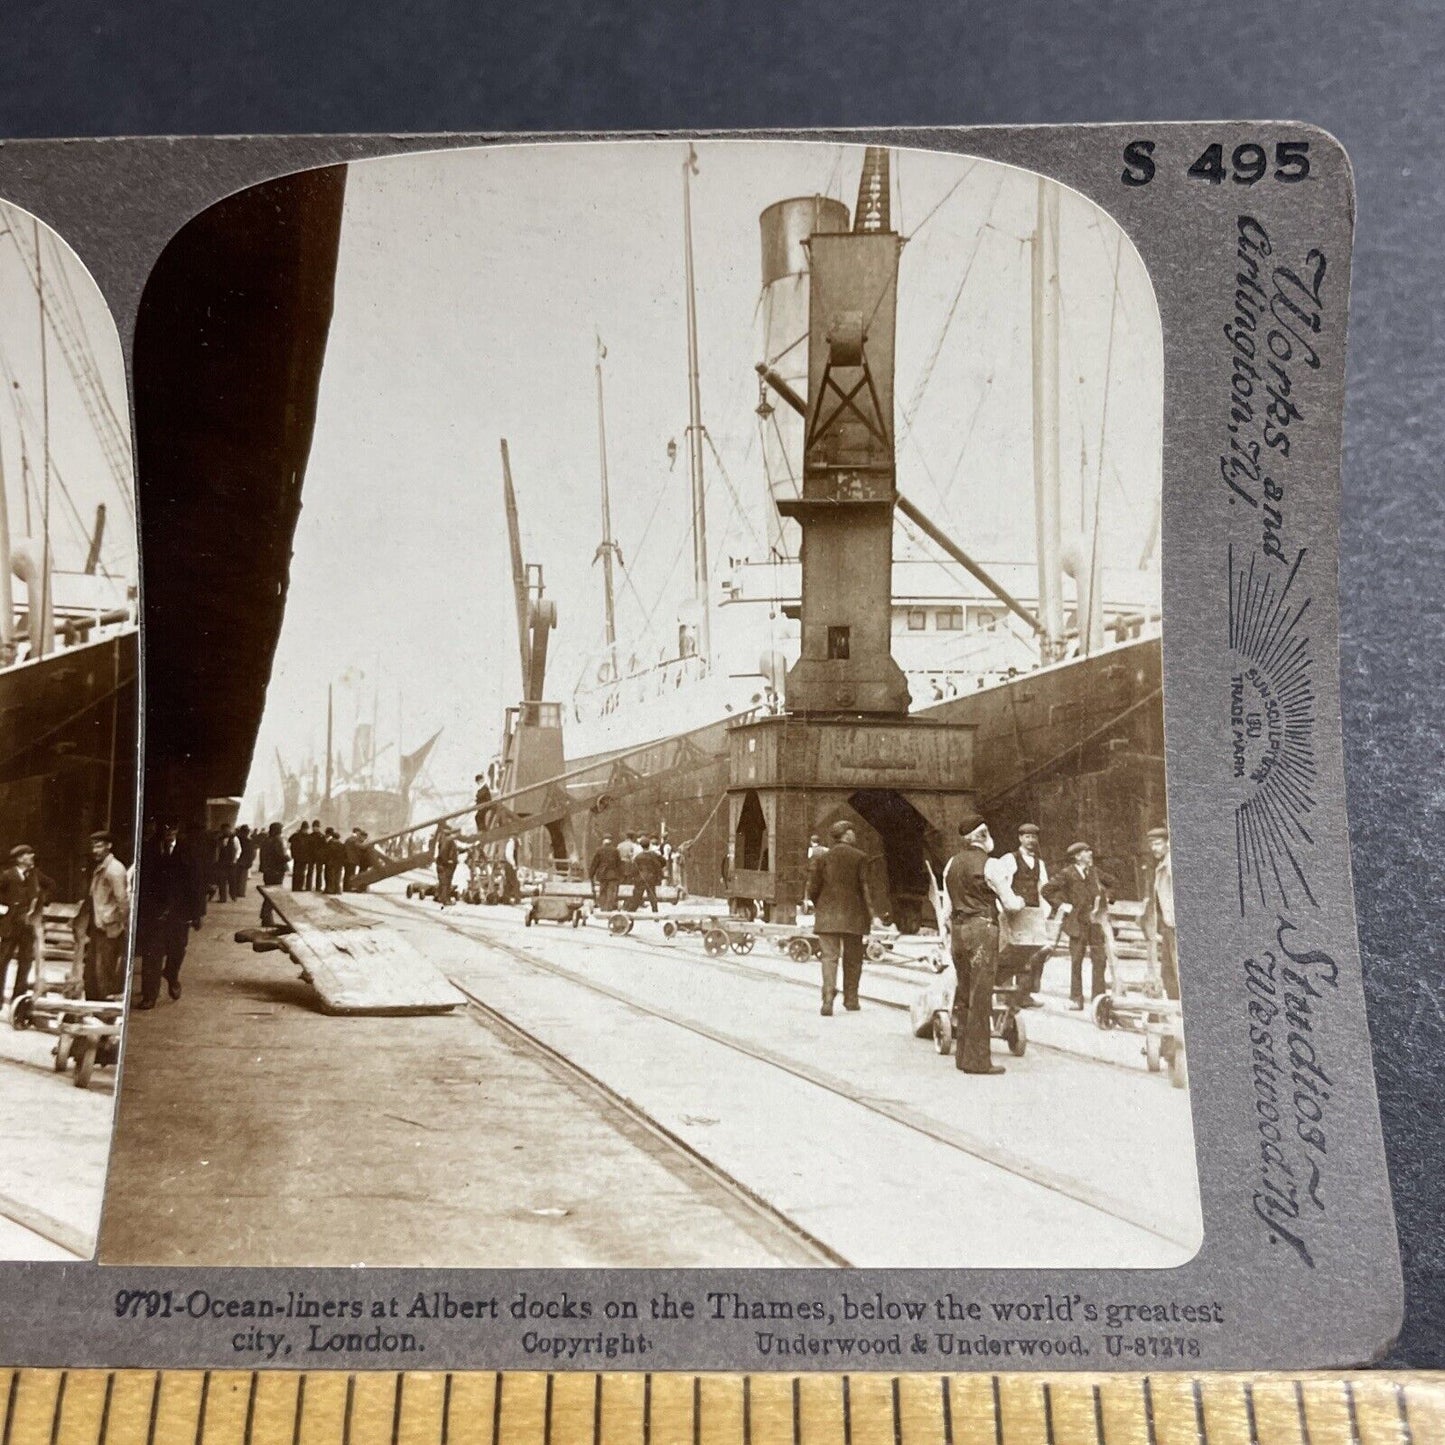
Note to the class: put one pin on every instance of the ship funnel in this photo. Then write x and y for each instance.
(786, 227)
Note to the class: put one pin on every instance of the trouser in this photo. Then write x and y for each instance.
(162, 952)
(238, 880)
(348, 877)
(644, 892)
(975, 957)
(1093, 943)
(333, 877)
(607, 894)
(444, 883)
(268, 913)
(847, 947)
(1019, 963)
(318, 876)
(300, 876)
(104, 977)
(21, 947)
(1169, 960)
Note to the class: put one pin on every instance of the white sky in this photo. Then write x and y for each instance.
(469, 290)
(80, 477)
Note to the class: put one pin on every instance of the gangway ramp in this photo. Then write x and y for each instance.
(358, 965)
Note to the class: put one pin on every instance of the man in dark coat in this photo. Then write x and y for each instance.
(334, 859)
(606, 874)
(1079, 894)
(273, 870)
(973, 929)
(170, 903)
(447, 856)
(301, 858)
(647, 868)
(319, 839)
(483, 815)
(843, 912)
(245, 857)
(24, 890)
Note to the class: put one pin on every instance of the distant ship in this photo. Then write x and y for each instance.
(69, 625)
(1066, 700)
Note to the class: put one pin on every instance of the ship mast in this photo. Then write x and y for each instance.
(1045, 329)
(608, 548)
(42, 638)
(694, 429)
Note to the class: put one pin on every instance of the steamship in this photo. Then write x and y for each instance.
(1061, 680)
(69, 622)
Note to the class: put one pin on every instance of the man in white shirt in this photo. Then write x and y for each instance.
(1019, 878)
(109, 919)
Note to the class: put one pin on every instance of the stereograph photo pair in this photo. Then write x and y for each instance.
(739, 763)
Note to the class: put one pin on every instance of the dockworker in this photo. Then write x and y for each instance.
(1019, 878)
(1079, 896)
(301, 858)
(109, 896)
(816, 847)
(446, 862)
(1159, 911)
(334, 860)
(24, 890)
(843, 912)
(319, 836)
(228, 856)
(355, 851)
(273, 870)
(973, 936)
(605, 872)
(169, 905)
(648, 867)
(245, 857)
(483, 815)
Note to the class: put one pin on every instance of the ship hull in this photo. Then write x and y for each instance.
(68, 753)
(1077, 748)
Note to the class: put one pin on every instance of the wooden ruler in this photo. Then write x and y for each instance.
(194, 1407)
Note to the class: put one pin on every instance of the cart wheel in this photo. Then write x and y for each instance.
(62, 1053)
(743, 943)
(714, 942)
(620, 924)
(874, 951)
(84, 1063)
(1178, 1068)
(942, 1032)
(106, 1054)
(800, 950)
(21, 1017)
(1104, 1012)
(1016, 1036)
(1153, 1051)
(669, 929)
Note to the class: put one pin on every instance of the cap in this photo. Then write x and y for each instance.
(102, 837)
(1028, 828)
(1161, 833)
(1076, 848)
(840, 829)
(970, 823)
(20, 850)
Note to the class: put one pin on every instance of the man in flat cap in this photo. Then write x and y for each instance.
(1020, 877)
(1159, 912)
(973, 902)
(1079, 895)
(23, 893)
(109, 919)
(170, 903)
(843, 912)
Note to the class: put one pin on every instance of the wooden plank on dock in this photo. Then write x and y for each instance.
(357, 965)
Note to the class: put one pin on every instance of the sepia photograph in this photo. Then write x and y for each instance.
(654, 724)
(69, 643)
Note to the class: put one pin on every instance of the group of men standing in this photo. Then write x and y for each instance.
(982, 891)
(322, 861)
(24, 892)
(638, 861)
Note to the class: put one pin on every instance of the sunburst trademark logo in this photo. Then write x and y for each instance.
(1271, 725)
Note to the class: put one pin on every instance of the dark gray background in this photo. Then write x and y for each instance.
(1366, 72)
